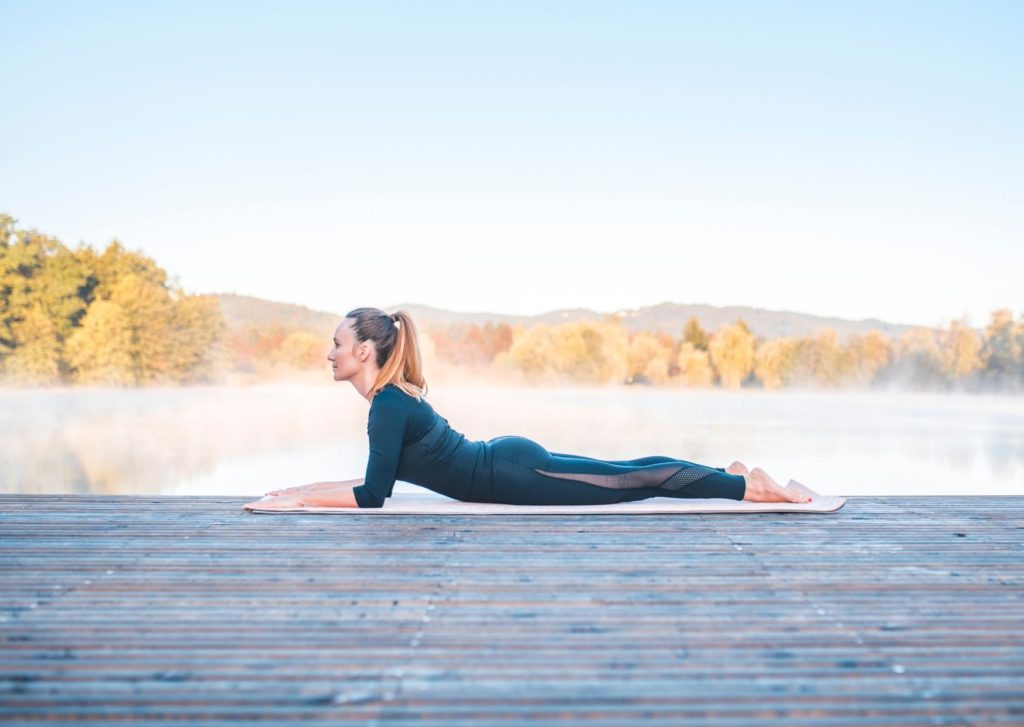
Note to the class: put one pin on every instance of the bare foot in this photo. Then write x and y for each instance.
(281, 502)
(737, 468)
(762, 488)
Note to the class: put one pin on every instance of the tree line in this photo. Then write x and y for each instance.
(114, 317)
(732, 357)
(111, 317)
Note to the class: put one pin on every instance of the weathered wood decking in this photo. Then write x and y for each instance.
(185, 610)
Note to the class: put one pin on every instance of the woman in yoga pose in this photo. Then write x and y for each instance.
(379, 355)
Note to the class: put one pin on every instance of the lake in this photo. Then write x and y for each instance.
(246, 440)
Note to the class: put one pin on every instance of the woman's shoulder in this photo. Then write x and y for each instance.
(389, 393)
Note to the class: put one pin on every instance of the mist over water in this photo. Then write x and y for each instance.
(246, 440)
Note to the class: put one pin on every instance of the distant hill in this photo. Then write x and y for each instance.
(243, 310)
(671, 318)
(240, 310)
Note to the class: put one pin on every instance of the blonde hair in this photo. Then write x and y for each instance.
(397, 345)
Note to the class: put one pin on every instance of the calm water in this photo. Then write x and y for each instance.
(245, 441)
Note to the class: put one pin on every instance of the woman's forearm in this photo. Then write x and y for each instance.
(342, 483)
(330, 497)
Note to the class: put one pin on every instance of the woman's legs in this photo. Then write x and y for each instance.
(526, 473)
(665, 476)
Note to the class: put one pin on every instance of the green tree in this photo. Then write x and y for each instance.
(695, 335)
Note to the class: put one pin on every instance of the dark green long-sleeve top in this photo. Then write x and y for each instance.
(395, 423)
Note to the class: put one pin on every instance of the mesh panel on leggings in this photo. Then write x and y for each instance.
(686, 476)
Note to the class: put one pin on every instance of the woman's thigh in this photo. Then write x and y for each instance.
(517, 480)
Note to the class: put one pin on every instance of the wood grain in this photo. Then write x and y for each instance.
(175, 610)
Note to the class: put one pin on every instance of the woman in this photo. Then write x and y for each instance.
(379, 355)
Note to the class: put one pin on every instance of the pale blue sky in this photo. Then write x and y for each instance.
(860, 159)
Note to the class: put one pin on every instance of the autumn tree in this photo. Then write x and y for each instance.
(35, 358)
(872, 352)
(773, 362)
(648, 358)
(301, 350)
(918, 359)
(590, 351)
(1002, 350)
(732, 353)
(41, 288)
(961, 351)
(532, 352)
(694, 365)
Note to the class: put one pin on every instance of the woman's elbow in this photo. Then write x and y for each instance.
(365, 499)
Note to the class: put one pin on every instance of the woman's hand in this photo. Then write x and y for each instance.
(304, 488)
(280, 502)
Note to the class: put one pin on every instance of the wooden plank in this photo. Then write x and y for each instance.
(148, 609)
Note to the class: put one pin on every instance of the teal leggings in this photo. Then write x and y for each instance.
(525, 473)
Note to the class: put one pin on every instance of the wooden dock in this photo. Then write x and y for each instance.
(187, 610)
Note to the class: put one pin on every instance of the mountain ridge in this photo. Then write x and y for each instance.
(666, 317)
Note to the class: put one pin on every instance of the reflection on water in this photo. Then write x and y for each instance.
(245, 441)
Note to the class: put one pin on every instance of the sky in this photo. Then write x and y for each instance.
(858, 159)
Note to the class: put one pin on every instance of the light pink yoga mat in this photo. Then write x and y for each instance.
(433, 504)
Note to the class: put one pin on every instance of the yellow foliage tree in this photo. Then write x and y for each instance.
(197, 328)
(694, 366)
(919, 356)
(532, 352)
(35, 360)
(591, 351)
(648, 358)
(872, 352)
(961, 351)
(100, 350)
(301, 350)
(1002, 350)
(583, 353)
(827, 356)
(773, 362)
(732, 354)
(144, 334)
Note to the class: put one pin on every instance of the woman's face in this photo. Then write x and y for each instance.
(346, 355)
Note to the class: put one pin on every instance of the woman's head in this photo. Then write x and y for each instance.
(370, 340)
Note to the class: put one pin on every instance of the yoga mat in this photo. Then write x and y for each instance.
(433, 504)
